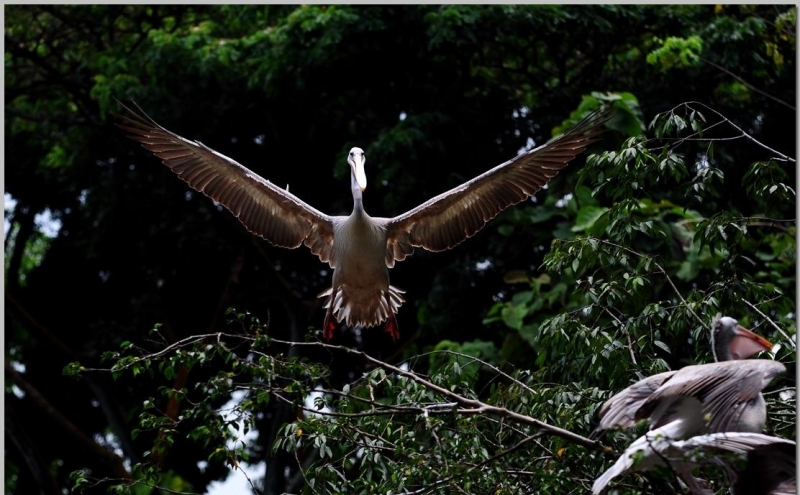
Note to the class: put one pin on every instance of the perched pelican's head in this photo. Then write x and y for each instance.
(741, 343)
(356, 160)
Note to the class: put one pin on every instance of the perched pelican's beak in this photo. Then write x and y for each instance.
(745, 343)
(358, 164)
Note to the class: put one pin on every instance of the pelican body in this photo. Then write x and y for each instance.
(720, 397)
(360, 249)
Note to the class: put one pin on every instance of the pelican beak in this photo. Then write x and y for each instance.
(745, 343)
(361, 177)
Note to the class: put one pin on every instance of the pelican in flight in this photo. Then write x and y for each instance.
(359, 248)
(719, 397)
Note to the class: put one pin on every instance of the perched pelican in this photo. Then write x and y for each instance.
(724, 396)
(360, 248)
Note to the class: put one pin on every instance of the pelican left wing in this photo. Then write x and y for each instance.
(450, 218)
(264, 209)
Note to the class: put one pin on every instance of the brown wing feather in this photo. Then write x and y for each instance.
(723, 388)
(263, 208)
(452, 217)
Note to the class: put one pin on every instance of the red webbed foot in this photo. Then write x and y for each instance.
(391, 327)
(329, 325)
(391, 322)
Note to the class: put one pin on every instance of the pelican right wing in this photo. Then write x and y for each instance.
(263, 208)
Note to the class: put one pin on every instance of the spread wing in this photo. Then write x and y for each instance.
(724, 389)
(770, 470)
(263, 208)
(739, 442)
(620, 410)
(451, 217)
(771, 467)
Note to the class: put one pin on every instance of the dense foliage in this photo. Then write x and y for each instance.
(137, 310)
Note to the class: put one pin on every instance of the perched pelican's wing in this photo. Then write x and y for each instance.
(740, 442)
(620, 410)
(451, 217)
(263, 208)
(724, 389)
(770, 470)
(644, 453)
(771, 465)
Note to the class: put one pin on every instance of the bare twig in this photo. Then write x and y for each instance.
(132, 483)
(748, 136)
(630, 343)
(780, 391)
(428, 488)
(237, 467)
(769, 320)
(484, 363)
(749, 86)
(663, 272)
(300, 468)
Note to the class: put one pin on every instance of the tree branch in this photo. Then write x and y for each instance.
(748, 136)
(475, 406)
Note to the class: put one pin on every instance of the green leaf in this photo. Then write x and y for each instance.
(587, 216)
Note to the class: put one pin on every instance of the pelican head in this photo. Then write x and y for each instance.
(356, 159)
(730, 340)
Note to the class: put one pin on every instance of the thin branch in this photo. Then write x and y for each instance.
(784, 157)
(239, 468)
(630, 343)
(494, 458)
(509, 450)
(769, 320)
(663, 272)
(427, 488)
(302, 473)
(749, 86)
(432, 410)
(167, 349)
(484, 363)
(132, 483)
(780, 391)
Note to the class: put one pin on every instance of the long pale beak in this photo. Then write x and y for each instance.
(361, 177)
(745, 343)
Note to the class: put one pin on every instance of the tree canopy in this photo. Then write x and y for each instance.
(147, 332)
